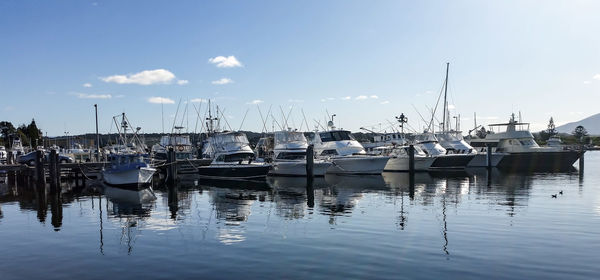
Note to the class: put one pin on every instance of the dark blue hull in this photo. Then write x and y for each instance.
(559, 161)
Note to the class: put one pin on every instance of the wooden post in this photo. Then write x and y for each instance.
(171, 165)
(581, 160)
(310, 161)
(9, 158)
(57, 169)
(39, 168)
(411, 159)
(52, 169)
(488, 155)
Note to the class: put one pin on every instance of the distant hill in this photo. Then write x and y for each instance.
(591, 124)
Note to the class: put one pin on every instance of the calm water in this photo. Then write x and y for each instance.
(464, 225)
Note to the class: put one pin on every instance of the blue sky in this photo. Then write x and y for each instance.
(366, 61)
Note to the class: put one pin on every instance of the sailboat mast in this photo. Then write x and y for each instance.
(445, 98)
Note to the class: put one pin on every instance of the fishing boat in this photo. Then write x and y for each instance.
(232, 158)
(347, 156)
(430, 145)
(180, 143)
(522, 153)
(400, 159)
(129, 165)
(289, 155)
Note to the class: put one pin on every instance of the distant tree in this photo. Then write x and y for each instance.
(33, 132)
(551, 131)
(580, 133)
(7, 129)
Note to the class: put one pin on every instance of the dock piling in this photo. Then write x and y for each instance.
(171, 166)
(411, 159)
(581, 160)
(488, 155)
(40, 175)
(310, 161)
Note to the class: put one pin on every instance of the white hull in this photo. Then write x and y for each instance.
(139, 176)
(358, 165)
(298, 168)
(402, 164)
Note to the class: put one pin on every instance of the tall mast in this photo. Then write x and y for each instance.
(445, 102)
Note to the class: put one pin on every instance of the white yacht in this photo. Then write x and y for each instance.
(521, 152)
(3, 155)
(345, 153)
(399, 159)
(129, 164)
(180, 143)
(232, 158)
(430, 145)
(289, 155)
(554, 141)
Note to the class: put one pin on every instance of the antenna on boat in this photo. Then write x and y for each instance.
(244, 119)
(176, 113)
(402, 119)
(305, 122)
(330, 123)
(445, 126)
(520, 120)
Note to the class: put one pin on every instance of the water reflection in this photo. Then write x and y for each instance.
(233, 202)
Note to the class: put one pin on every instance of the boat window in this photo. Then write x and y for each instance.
(289, 136)
(237, 157)
(291, 156)
(526, 142)
(331, 152)
(340, 135)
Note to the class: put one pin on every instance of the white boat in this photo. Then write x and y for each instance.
(399, 160)
(3, 155)
(347, 156)
(430, 145)
(521, 152)
(129, 166)
(180, 143)
(289, 155)
(554, 141)
(232, 158)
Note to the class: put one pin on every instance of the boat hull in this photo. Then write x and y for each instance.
(402, 164)
(132, 179)
(298, 168)
(452, 161)
(234, 171)
(480, 160)
(362, 165)
(554, 161)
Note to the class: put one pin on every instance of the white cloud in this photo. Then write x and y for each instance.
(597, 77)
(587, 82)
(222, 81)
(198, 100)
(119, 96)
(374, 96)
(296, 100)
(256, 101)
(385, 102)
(146, 77)
(87, 85)
(183, 82)
(361, 97)
(346, 98)
(225, 62)
(93, 96)
(161, 100)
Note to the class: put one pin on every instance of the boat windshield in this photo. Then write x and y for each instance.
(231, 138)
(175, 140)
(340, 135)
(286, 155)
(289, 136)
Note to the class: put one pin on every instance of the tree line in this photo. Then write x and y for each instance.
(30, 134)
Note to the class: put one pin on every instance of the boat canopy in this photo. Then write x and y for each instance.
(282, 137)
(178, 140)
(336, 135)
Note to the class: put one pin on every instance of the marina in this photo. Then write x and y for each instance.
(337, 139)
